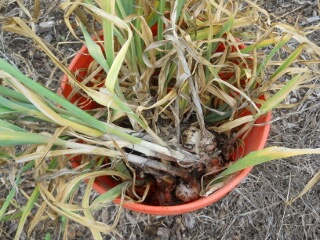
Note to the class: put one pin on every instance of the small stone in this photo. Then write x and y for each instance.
(178, 220)
(313, 19)
(13, 227)
(48, 38)
(48, 24)
(14, 12)
(71, 234)
(45, 26)
(189, 221)
(164, 233)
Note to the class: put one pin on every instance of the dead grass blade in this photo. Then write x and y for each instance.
(38, 217)
(69, 186)
(234, 123)
(299, 36)
(69, 8)
(259, 9)
(254, 105)
(70, 214)
(36, 10)
(26, 11)
(87, 213)
(313, 181)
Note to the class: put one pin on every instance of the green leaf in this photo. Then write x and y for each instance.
(10, 138)
(108, 35)
(110, 195)
(11, 217)
(36, 87)
(276, 99)
(94, 49)
(58, 100)
(47, 237)
(289, 60)
(264, 43)
(112, 77)
(160, 21)
(225, 28)
(265, 155)
(26, 211)
(137, 45)
(6, 103)
(4, 91)
(213, 46)
(31, 202)
(6, 126)
(215, 117)
(125, 8)
(126, 109)
(13, 191)
(180, 5)
(7, 111)
(267, 59)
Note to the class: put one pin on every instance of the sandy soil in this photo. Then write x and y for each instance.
(256, 209)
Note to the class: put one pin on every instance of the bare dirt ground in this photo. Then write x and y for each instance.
(256, 209)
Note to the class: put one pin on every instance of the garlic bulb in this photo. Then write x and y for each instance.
(188, 191)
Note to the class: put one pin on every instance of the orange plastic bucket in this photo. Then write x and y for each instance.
(255, 140)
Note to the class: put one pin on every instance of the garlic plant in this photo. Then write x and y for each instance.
(160, 68)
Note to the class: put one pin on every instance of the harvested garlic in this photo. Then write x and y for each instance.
(188, 191)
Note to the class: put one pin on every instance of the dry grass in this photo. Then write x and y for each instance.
(254, 210)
